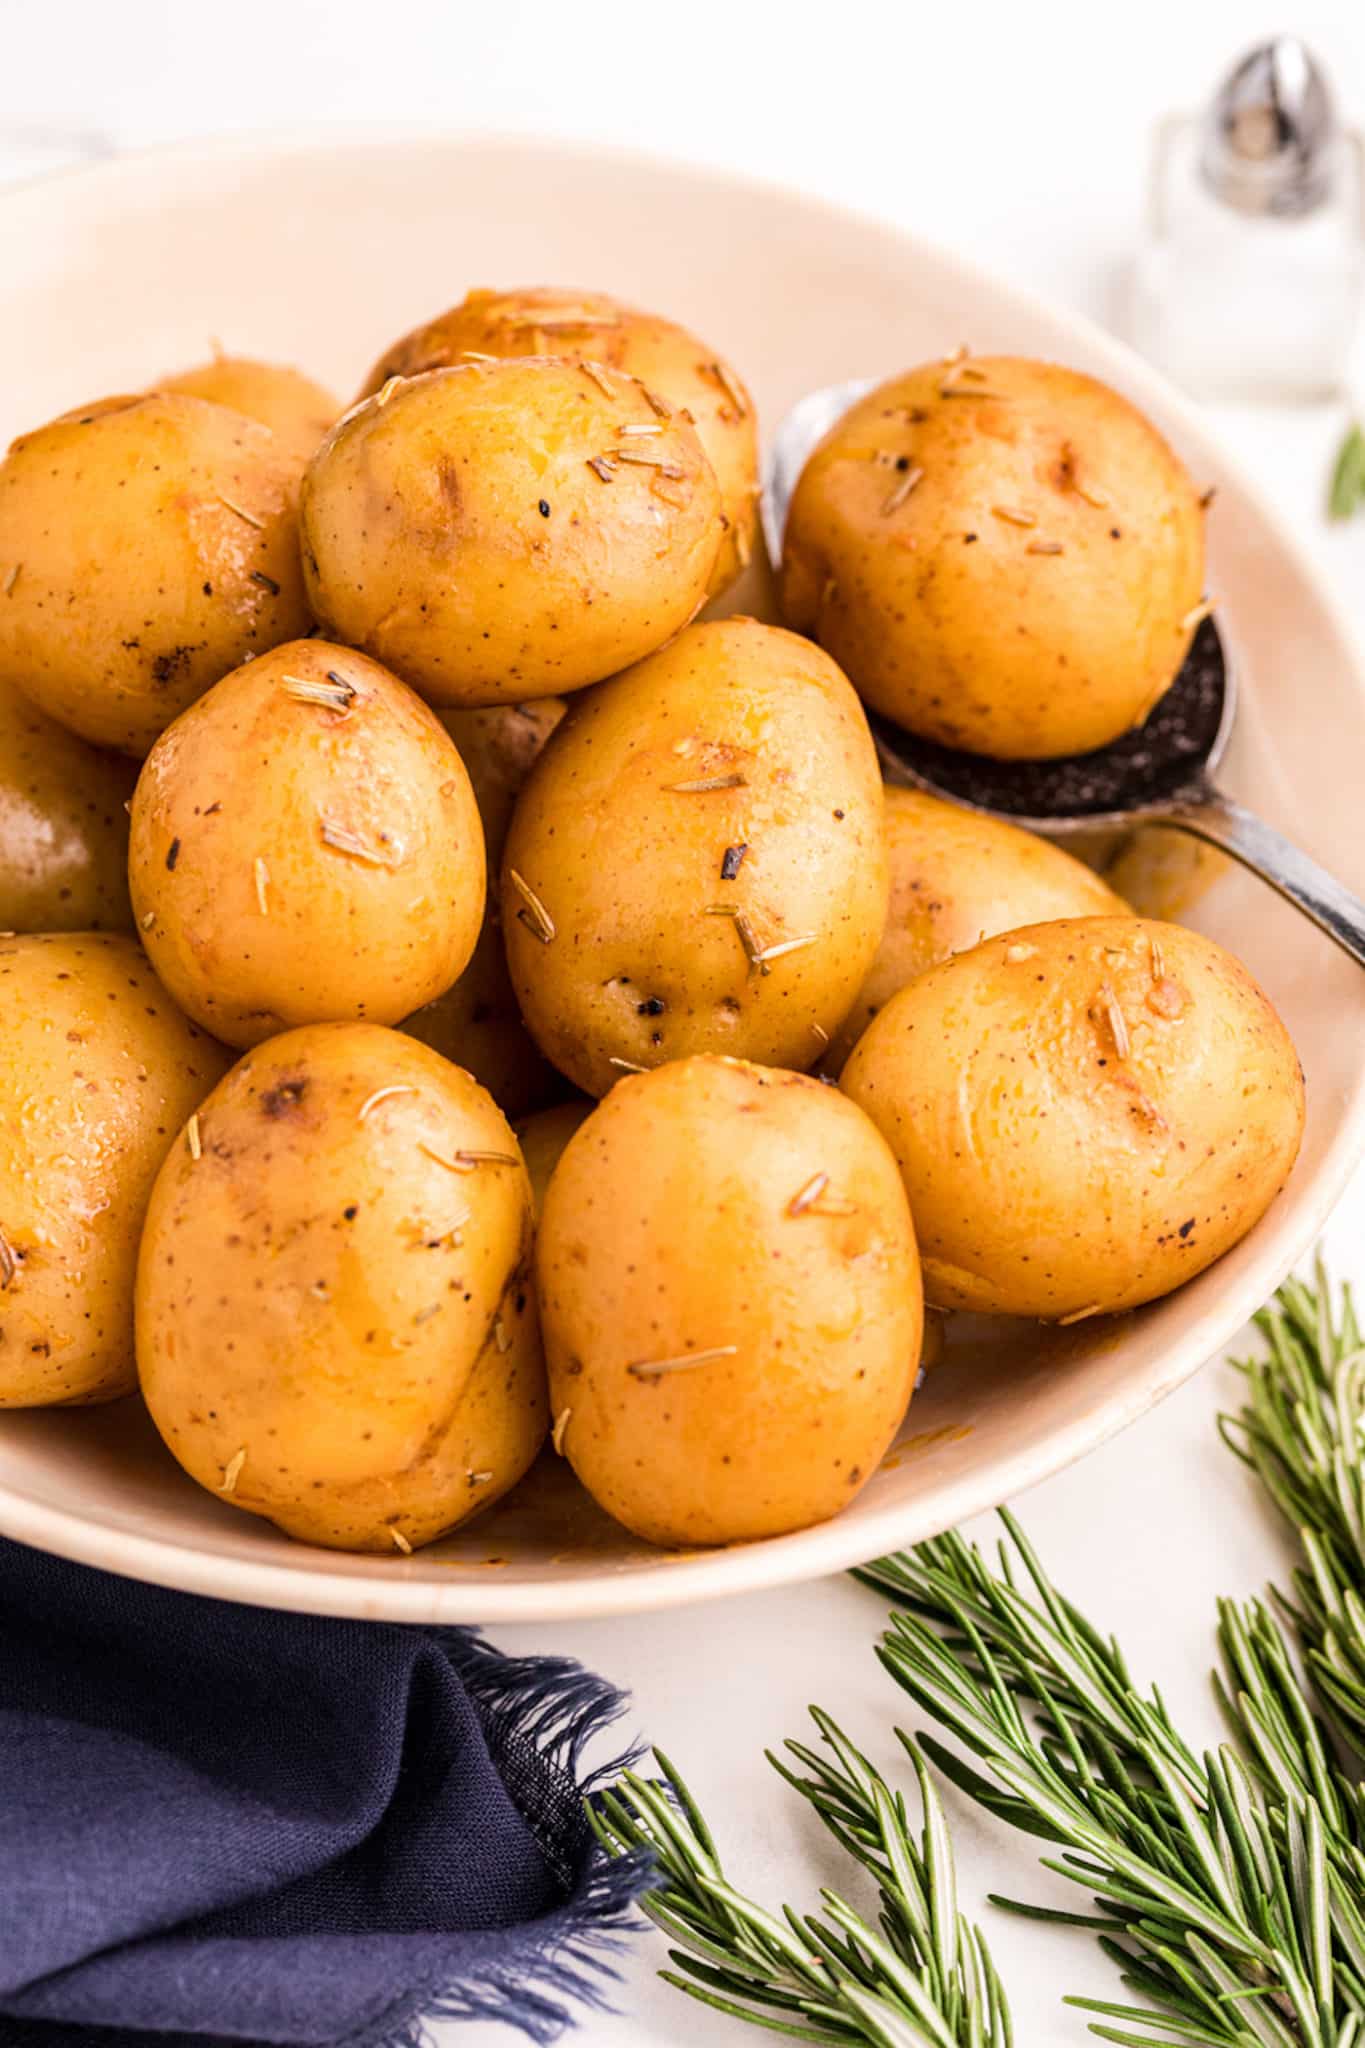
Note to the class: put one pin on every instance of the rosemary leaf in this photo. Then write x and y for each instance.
(1346, 495)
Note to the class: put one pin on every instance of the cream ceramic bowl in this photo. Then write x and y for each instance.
(317, 252)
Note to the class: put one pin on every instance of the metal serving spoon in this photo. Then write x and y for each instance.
(1161, 773)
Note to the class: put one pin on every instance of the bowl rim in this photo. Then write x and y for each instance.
(402, 1590)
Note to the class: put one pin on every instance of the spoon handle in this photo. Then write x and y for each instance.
(1333, 907)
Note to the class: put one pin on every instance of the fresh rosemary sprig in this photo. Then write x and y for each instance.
(1302, 1431)
(922, 1978)
(1346, 494)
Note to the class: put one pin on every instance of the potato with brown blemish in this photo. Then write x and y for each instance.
(1005, 555)
(589, 326)
(147, 546)
(306, 848)
(100, 1072)
(63, 827)
(696, 863)
(477, 1023)
(957, 877)
(335, 1323)
(509, 530)
(297, 411)
(542, 1138)
(1086, 1113)
(731, 1302)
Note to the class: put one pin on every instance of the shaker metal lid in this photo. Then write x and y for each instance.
(1271, 137)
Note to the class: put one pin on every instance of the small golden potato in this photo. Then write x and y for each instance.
(958, 877)
(1004, 555)
(496, 532)
(542, 1139)
(1086, 1113)
(477, 1023)
(100, 1072)
(297, 411)
(731, 1302)
(672, 364)
(335, 1324)
(147, 546)
(63, 827)
(306, 848)
(696, 863)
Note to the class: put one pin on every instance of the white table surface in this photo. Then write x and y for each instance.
(1017, 134)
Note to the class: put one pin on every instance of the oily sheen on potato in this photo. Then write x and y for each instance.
(1086, 1113)
(99, 1073)
(508, 530)
(676, 368)
(1004, 555)
(147, 546)
(477, 1023)
(730, 1299)
(696, 863)
(63, 826)
(306, 848)
(957, 877)
(335, 1325)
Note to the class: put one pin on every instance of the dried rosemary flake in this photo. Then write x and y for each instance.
(724, 376)
(601, 467)
(955, 357)
(467, 1160)
(659, 405)
(1080, 1315)
(599, 377)
(1118, 1023)
(900, 491)
(819, 1033)
(481, 1479)
(783, 947)
(1158, 959)
(1014, 515)
(1099, 499)
(193, 1139)
(535, 916)
(705, 783)
(502, 1336)
(654, 1368)
(148, 920)
(972, 391)
(673, 470)
(744, 546)
(477, 355)
(557, 1433)
(747, 936)
(1197, 614)
(342, 840)
(336, 694)
(1044, 547)
(400, 1542)
(386, 390)
(232, 1471)
(626, 1066)
(11, 578)
(641, 427)
(372, 1102)
(804, 1196)
(262, 874)
(266, 582)
(241, 512)
(424, 1315)
(9, 1265)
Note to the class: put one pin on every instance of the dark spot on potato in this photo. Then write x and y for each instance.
(283, 1098)
(1187, 1227)
(166, 667)
(448, 482)
(172, 854)
(351, 1213)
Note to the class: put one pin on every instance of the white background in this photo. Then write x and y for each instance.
(1018, 133)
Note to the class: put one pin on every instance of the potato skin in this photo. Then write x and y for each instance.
(667, 1228)
(319, 1291)
(641, 876)
(156, 548)
(1059, 1163)
(424, 542)
(100, 1072)
(958, 877)
(63, 827)
(542, 1138)
(941, 603)
(670, 362)
(253, 914)
(297, 411)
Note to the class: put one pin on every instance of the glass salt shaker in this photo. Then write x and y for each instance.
(1249, 284)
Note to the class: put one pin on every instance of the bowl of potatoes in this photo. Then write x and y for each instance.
(503, 1113)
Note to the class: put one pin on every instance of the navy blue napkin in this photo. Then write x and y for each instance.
(219, 1824)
